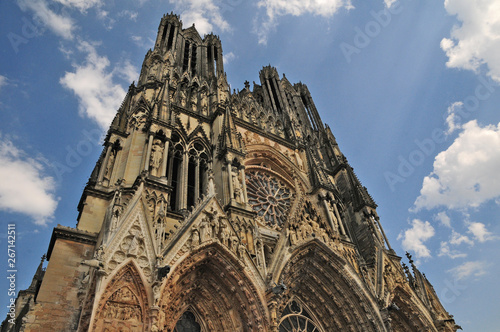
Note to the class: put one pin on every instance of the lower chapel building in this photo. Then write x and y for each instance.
(211, 210)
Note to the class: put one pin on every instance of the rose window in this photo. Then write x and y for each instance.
(269, 196)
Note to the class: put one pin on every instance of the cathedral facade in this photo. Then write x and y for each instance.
(211, 210)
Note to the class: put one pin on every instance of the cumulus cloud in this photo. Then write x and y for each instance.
(445, 250)
(413, 239)
(443, 218)
(276, 8)
(93, 83)
(476, 41)
(60, 24)
(205, 14)
(23, 186)
(458, 239)
(81, 5)
(466, 174)
(479, 231)
(469, 269)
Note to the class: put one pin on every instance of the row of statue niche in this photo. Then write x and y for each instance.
(216, 228)
(188, 97)
(270, 124)
(307, 227)
(122, 312)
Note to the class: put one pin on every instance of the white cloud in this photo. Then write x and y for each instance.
(445, 250)
(443, 218)
(61, 25)
(229, 57)
(276, 8)
(468, 269)
(466, 174)
(131, 15)
(413, 239)
(479, 231)
(388, 3)
(93, 84)
(3, 81)
(205, 14)
(81, 5)
(458, 239)
(476, 41)
(126, 71)
(23, 186)
(452, 120)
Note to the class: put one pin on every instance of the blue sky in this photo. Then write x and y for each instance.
(409, 88)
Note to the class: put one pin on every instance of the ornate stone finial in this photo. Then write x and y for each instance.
(247, 85)
(408, 255)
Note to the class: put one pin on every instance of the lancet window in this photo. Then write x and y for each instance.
(296, 318)
(187, 173)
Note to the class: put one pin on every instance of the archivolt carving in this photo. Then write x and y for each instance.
(323, 281)
(124, 304)
(215, 284)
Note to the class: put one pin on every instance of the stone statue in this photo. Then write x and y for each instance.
(156, 157)
(194, 101)
(109, 166)
(204, 103)
(183, 98)
(237, 190)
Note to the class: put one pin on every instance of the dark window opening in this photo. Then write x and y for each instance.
(306, 105)
(191, 182)
(176, 163)
(187, 323)
(193, 60)
(274, 95)
(186, 56)
(171, 37)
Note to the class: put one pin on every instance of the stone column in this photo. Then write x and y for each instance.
(148, 152)
(244, 185)
(182, 187)
(197, 181)
(328, 214)
(341, 224)
(230, 180)
(163, 172)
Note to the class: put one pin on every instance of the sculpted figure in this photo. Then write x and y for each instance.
(156, 157)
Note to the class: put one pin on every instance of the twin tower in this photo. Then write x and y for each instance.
(216, 210)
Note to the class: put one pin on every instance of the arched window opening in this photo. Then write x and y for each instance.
(191, 181)
(296, 318)
(196, 181)
(174, 170)
(185, 64)
(187, 323)
(170, 37)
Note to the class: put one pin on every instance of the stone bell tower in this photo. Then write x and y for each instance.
(217, 211)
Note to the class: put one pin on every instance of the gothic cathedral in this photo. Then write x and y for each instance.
(218, 211)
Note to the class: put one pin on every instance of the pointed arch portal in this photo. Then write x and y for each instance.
(213, 284)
